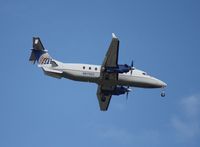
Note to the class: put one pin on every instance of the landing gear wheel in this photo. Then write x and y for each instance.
(103, 99)
(163, 94)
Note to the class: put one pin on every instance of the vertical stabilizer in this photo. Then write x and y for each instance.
(39, 53)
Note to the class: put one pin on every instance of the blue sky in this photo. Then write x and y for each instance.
(162, 37)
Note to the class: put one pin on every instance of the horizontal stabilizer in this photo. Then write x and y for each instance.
(32, 57)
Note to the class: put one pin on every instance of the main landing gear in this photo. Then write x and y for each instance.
(103, 99)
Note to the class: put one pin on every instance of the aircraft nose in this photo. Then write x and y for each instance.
(158, 83)
(161, 83)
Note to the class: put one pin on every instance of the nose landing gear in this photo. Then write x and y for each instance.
(162, 93)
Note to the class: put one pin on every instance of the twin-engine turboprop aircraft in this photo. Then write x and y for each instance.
(111, 77)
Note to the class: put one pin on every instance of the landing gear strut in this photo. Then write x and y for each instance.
(162, 93)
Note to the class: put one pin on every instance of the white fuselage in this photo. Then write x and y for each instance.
(91, 73)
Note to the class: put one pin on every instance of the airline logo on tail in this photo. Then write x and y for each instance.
(45, 59)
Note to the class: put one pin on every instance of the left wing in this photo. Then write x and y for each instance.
(108, 80)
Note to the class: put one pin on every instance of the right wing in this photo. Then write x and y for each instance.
(104, 100)
(111, 58)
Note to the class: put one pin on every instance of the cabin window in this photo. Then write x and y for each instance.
(95, 68)
(83, 67)
(144, 73)
(89, 68)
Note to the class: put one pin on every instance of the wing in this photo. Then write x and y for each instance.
(111, 58)
(104, 100)
(108, 80)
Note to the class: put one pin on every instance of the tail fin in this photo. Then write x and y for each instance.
(39, 53)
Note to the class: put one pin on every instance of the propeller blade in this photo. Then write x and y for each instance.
(132, 67)
(126, 97)
(132, 63)
(127, 93)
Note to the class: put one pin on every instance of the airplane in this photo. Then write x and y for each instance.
(112, 78)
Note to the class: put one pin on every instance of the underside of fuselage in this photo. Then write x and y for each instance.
(123, 80)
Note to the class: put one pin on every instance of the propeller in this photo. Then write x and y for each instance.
(132, 63)
(132, 67)
(127, 96)
(128, 90)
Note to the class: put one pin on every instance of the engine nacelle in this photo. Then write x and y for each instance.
(117, 91)
(120, 69)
